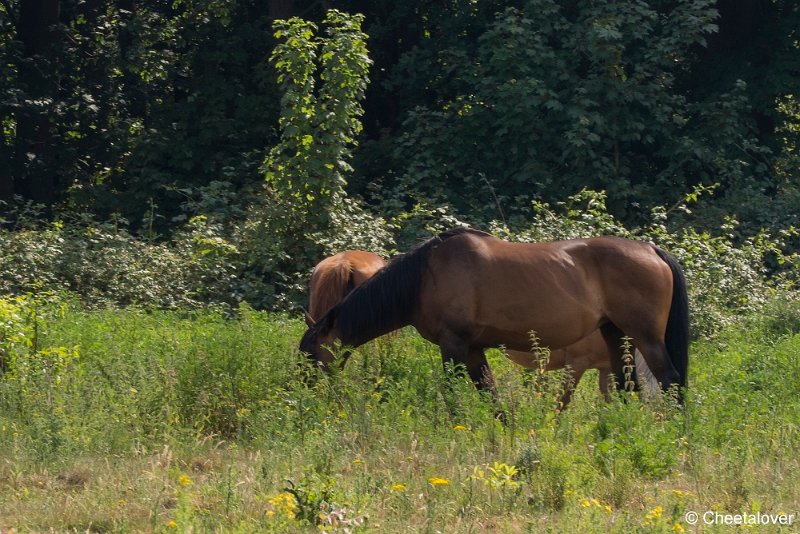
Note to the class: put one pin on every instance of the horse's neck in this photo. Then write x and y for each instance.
(366, 335)
(384, 303)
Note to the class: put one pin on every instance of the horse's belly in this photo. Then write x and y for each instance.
(555, 331)
(492, 337)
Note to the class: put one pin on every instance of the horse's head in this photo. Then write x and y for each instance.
(318, 337)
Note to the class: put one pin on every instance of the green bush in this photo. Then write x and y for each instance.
(729, 275)
(107, 266)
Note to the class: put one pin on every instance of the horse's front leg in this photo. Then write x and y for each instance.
(480, 372)
(456, 351)
(481, 375)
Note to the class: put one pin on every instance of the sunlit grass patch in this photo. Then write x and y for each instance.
(170, 422)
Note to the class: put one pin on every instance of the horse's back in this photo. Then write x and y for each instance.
(500, 291)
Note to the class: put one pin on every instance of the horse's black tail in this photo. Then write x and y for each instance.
(677, 335)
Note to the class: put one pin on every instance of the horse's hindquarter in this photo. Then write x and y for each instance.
(364, 265)
(334, 277)
(635, 282)
(494, 293)
(328, 285)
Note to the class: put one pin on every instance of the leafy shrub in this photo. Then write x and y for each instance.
(33, 377)
(105, 265)
(275, 267)
(205, 263)
(781, 317)
(27, 260)
(353, 227)
(422, 221)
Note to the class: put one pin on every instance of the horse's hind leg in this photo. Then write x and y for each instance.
(604, 382)
(658, 361)
(570, 385)
(652, 348)
(613, 338)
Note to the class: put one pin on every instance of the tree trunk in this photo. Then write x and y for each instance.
(281, 9)
(38, 20)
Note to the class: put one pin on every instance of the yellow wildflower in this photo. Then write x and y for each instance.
(358, 461)
(677, 527)
(460, 428)
(655, 513)
(585, 503)
(285, 503)
(399, 486)
(184, 480)
(436, 481)
(172, 524)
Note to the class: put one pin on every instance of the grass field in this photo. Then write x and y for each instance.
(122, 421)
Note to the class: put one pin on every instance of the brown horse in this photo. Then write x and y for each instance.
(335, 277)
(467, 291)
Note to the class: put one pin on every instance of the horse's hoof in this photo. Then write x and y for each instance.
(501, 416)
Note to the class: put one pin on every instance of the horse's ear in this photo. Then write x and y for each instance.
(309, 321)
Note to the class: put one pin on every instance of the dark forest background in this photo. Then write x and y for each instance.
(147, 114)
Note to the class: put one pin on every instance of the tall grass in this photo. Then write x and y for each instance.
(118, 421)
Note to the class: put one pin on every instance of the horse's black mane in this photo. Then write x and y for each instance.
(388, 300)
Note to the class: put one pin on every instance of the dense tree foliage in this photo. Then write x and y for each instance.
(159, 111)
(542, 98)
(376, 128)
(141, 106)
